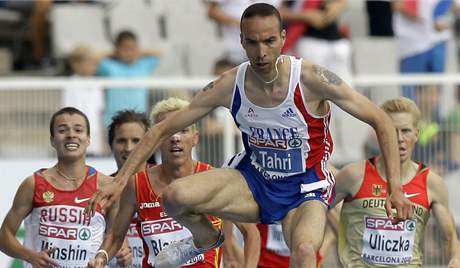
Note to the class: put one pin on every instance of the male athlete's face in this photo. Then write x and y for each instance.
(407, 134)
(263, 41)
(126, 138)
(70, 136)
(178, 148)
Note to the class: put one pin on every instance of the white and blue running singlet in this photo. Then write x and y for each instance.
(286, 147)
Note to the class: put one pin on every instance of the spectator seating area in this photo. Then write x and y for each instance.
(189, 41)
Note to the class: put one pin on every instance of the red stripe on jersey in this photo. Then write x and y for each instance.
(320, 140)
(200, 166)
(142, 188)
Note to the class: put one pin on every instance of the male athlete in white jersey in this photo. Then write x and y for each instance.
(281, 105)
(58, 233)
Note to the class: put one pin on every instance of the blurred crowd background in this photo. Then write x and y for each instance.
(197, 38)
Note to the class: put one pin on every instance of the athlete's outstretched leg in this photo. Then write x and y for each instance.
(223, 193)
(303, 230)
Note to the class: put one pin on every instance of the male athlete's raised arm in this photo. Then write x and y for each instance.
(437, 194)
(216, 93)
(321, 85)
(114, 239)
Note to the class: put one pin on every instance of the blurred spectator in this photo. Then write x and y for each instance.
(227, 14)
(127, 62)
(222, 66)
(87, 98)
(380, 18)
(453, 125)
(313, 33)
(34, 14)
(422, 31)
(431, 147)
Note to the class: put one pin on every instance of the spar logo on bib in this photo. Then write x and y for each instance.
(84, 234)
(277, 152)
(410, 225)
(162, 226)
(278, 155)
(388, 243)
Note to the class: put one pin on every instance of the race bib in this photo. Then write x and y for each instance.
(387, 243)
(159, 234)
(135, 245)
(277, 158)
(275, 240)
(196, 259)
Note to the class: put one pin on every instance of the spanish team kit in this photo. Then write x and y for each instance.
(158, 230)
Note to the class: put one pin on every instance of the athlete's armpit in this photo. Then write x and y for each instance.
(327, 77)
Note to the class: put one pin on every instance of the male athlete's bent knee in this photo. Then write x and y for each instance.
(174, 199)
(303, 251)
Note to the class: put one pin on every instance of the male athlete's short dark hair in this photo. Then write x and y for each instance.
(126, 116)
(262, 10)
(124, 35)
(71, 111)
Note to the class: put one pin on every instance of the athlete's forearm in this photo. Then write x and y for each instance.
(251, 251)
(333, 218)
(251, 243)
(112, 244)
(389, 147)
(444, 218)
(115, 236)
(11, 246)
(454, 248)
(451, 236)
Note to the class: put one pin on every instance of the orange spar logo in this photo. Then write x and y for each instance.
(48, 196)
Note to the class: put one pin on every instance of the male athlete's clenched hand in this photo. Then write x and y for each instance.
(403, 206)
(106, 196)
(98, 262)
(124, 257)
(42, 259)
